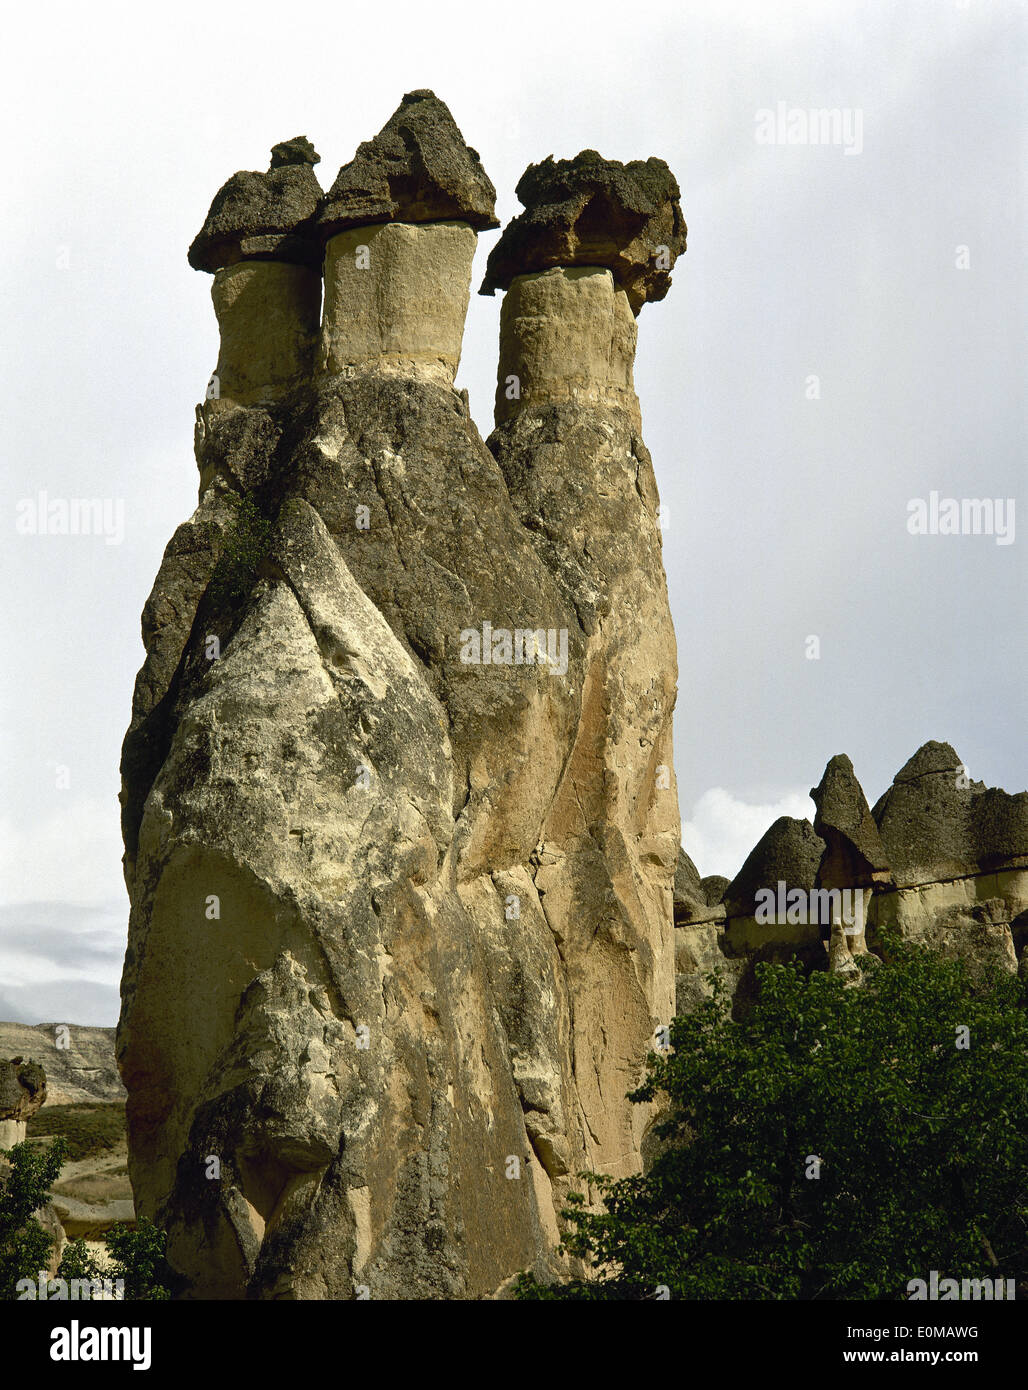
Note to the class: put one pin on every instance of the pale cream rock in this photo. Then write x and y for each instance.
(566, 335)
(12, 1132)
(268, 316)
(396, 296)
(973, 913)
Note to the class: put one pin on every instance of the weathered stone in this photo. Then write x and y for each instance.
(22, 1093)
(566, 335)
(844, 822)
(972, 919)
(401, 892)
(700, 952)
(789, 852)
(264, 216)
(417, 169)
(938, 824)
(688, 892)
(590, 211)
(396, 296)
(696, 900)
(268, 313)
(298, 150)
(714, 888)
(852, 865)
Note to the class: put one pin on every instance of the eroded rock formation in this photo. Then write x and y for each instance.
(940, 859)
(22, 1093)
(399, 809)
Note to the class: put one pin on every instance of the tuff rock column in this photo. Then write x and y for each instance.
(22, 1093)
(345, 1030)
(853, 862)
(597, 240)
(257, 242)
(398, 805)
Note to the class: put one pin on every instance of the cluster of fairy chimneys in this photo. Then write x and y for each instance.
(391, 245)
(935, 827)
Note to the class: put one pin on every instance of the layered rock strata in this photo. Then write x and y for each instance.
(399, 814)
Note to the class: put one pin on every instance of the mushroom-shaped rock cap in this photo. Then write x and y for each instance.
(266, 216)
(937, 824)
(594, 211)
(788, 852)
(417, 169)
(22, 1089)
(845, 823)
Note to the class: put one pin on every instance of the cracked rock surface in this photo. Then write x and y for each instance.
(398, 804)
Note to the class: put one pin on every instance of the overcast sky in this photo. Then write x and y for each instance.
(844, 335)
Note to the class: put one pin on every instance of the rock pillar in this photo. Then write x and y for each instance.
(400, 852)
(595, 242)
(396, 296)
(567, 335)
(258, 243)
(853, 864)
(22, 1093)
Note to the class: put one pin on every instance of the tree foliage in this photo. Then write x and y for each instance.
(834, 1143)
(134, 1256)
(24, 1245)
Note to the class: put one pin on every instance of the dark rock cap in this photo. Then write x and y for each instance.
(22, 1089)
(930, 757)
(266, 216)
(417, 169)
(594, 211)
(714, 886)
(789, 852)
(937, 824)
(845, 823)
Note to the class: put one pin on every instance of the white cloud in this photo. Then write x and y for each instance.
(71, 855)
(723, 828)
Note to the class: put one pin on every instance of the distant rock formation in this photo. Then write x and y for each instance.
(940, 859)
(22, 1093)
(399, 806)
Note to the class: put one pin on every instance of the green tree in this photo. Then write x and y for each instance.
(836, 1142)
(25, 1187)
(135, 1257)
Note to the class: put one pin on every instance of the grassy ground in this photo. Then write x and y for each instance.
(91, 1128)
